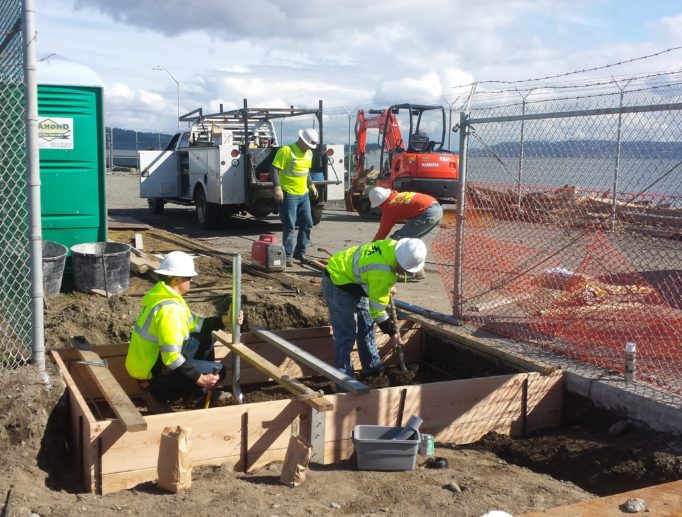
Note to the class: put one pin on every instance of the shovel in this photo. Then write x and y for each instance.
(209, 393)
(394, 317)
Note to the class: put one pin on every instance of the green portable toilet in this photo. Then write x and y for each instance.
(72, 153)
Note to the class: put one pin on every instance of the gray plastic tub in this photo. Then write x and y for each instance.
(376, 450)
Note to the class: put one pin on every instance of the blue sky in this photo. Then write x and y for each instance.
(350, 53)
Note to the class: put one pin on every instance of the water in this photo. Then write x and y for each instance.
(595, 174)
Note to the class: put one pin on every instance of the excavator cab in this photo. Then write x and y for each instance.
(419, 142)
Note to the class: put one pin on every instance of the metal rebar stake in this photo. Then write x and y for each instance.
(236, 331)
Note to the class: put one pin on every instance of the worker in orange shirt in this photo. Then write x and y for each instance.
(420, 211)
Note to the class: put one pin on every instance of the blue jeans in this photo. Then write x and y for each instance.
(350, 319)
(422, 224)
(295, 210)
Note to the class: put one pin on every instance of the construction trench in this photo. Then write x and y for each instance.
(465, 389)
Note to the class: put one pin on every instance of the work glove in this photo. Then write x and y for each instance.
(395, 342)
(227, 318)
(313, 190)
(279, 195)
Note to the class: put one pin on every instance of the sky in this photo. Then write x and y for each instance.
(349, 53)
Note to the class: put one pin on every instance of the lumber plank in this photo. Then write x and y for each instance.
(460, 338)
(119, 401)
(80, 415)
(141, 262)
(664, 500)
(349, 383)
(316, 401)
(216, 433)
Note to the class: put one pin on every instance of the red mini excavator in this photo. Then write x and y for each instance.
(420, 166)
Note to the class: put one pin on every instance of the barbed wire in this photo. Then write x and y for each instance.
(573, 72)
(556, 85)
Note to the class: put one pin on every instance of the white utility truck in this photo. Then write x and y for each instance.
(221, 164)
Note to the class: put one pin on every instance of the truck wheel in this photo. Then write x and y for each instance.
(364, 208)
(317, 214)
(155, 205)
(208, 214)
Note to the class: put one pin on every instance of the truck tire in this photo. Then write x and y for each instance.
(364, 208)
(260, 210)
(155, 205)
(208, 214)
(316, 211)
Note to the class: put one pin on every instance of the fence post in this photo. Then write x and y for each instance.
(521, 150)
(616, 171)
(346, 177)
(33, 181)
(459, 232)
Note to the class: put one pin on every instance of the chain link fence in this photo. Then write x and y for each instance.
(15, 297)
(570, 237)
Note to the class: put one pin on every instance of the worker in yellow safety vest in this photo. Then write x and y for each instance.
(171, 350)
(293, 186)
(356, 284)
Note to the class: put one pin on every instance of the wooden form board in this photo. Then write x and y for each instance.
(251, 435)
(454, 412)
(663, 500)
(461, 338)
(316, 340)
(315, 400)
(118, 400)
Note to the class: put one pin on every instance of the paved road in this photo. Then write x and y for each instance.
(337, 230)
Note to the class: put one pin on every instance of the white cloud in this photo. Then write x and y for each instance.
(350, 54)
(120, 90)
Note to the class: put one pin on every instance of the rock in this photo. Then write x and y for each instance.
(336, 506)
(453, 487)
(619, 427)
(634, 505)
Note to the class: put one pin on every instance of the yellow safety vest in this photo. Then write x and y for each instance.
(373, 267)
(294, 166)
(163, 325)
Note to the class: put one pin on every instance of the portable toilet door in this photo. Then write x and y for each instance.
(72, 153)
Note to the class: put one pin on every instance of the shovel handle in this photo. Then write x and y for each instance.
(207, 402)
(394, 317)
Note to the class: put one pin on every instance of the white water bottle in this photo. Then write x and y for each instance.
(630, 361)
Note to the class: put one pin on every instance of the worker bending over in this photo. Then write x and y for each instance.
(292, 181)
(356, 284)
(420, 211)
(171, 349)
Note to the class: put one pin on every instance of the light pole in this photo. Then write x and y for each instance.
(177, 84)
(348, 160)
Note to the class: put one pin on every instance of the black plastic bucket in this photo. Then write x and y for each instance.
(54, 258)
(101, 265)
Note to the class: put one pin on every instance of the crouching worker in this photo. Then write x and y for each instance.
(171, 349)
(356, 285)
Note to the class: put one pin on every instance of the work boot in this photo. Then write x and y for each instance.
(417, 277)
(300, 257)
(290, 262)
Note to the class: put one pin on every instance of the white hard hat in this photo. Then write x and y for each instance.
(177, 263)
(310, 137)
(378, 195)
(411, 254)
